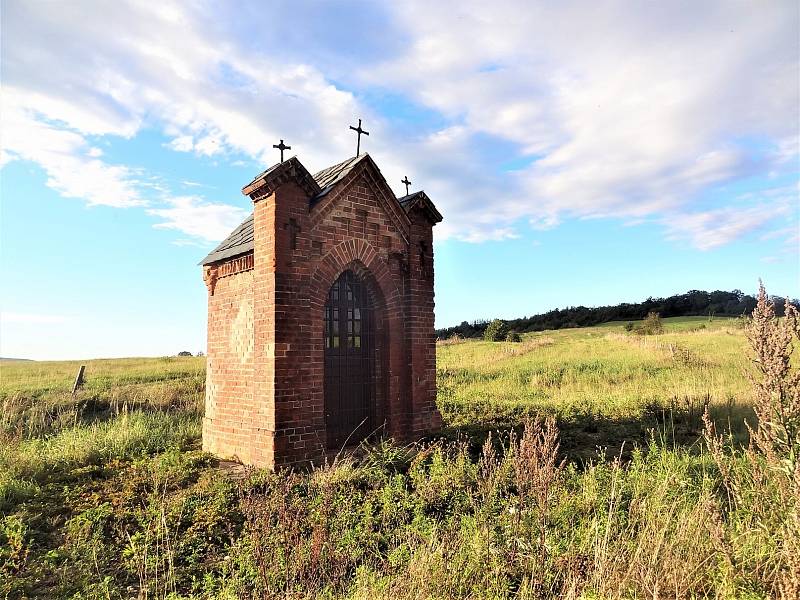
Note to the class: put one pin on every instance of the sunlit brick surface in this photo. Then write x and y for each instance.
(265, 401)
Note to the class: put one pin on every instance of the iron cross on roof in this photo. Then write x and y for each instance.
(281, 147)
(359, 131)
(406, 182)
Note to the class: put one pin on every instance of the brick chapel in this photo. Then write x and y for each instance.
(320, 317)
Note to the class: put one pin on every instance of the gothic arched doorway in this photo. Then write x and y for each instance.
(351, 369)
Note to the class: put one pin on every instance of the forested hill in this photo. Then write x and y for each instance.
(691, 303)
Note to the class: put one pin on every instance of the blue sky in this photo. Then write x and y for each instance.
(580, 153)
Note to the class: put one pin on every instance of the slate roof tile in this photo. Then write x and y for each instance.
(238, 242)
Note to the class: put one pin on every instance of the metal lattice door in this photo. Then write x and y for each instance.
(349, 362)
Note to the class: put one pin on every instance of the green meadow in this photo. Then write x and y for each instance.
(601, 380)
(572, 464)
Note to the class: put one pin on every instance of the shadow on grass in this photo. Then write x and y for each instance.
(586, 436)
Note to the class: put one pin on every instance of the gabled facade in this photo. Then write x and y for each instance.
(320, 317)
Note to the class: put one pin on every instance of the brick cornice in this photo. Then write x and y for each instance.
(271, 179)
(211, 274)
(424, 204)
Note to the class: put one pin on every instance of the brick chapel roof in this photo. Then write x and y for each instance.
(240, 241)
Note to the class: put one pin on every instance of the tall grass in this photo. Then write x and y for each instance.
(115, 501)
(516, 524)
(127, 408)
(668, 522)
(131, 435)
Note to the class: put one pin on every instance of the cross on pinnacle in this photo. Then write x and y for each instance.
(406, 182)
(281, 147)
(359, 131)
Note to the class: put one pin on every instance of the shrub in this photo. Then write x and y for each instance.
(513, 336)
(651, 325)
(496, 331)
(453, 339)
(629, 326)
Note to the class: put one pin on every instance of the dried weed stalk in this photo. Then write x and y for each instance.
(773, 459)
(776, 383)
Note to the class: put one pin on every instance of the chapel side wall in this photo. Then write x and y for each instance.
(229, 367)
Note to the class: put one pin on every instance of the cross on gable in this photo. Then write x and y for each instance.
(281, 147)
(359, 131)
(406, 182)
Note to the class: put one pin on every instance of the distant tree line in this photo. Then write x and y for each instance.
(692, 303)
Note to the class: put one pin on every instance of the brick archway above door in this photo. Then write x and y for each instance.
(356, 255)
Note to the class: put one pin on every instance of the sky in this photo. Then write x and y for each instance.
(582, 153)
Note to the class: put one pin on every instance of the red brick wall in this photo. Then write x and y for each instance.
(358, 226)
(229, 366)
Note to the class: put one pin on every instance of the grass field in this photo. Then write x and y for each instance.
(603, 386)
(107, 495)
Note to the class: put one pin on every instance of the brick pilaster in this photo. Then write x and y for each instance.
(420, 327)
(262, 405)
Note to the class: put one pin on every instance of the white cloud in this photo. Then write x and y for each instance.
(183, 143)
(194, 216)
(626, 110)
(790, 233)
(194, 184)
(789, 248)
(714, 228)
(746, 213)
(166, 67)
(73, 167)
(149, 76)
(619, 110)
